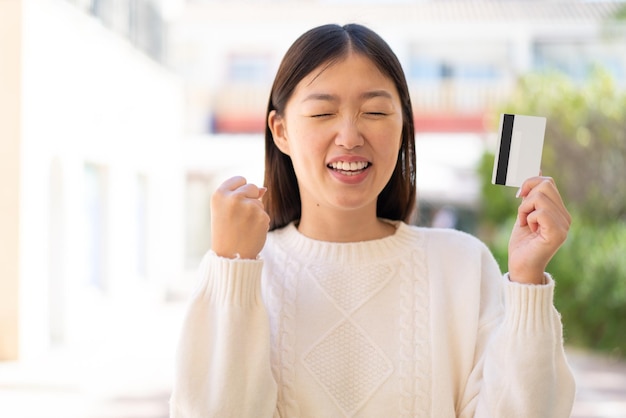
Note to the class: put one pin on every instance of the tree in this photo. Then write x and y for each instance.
(585, 145)
(585, 151)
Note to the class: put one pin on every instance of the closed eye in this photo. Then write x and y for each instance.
(375, 114)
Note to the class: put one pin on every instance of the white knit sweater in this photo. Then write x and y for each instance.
(418, 324)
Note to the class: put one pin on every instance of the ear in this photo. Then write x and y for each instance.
(279, 132)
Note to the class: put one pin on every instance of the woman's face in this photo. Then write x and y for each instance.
(342, 128)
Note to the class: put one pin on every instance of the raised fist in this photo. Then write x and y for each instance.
(239, 223)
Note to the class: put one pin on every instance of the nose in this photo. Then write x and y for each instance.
(348, 134)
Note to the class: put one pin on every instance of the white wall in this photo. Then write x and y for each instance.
(10, 134)
(90, 99)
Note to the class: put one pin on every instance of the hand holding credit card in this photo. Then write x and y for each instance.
(520, 145)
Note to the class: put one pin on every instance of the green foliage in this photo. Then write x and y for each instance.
(585, 152)
(585, 145)
(497, 202)
(590, 273)
(620, 14)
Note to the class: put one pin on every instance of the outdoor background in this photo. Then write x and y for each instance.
(118, 118)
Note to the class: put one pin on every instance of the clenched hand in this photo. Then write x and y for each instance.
(239, 223)
(541, 228)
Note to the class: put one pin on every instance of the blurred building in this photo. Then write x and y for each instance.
(461, 58)
(140, 22)
(118, 118)
(91, 182)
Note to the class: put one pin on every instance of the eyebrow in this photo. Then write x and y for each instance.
(321, 96)
(376, 93)
(333, 98)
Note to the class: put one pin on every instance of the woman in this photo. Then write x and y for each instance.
(343, 309)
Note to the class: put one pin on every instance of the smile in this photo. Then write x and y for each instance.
(349, 168)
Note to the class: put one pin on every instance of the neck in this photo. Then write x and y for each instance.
(346, 226)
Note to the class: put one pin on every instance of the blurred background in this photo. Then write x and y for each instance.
(118, 118)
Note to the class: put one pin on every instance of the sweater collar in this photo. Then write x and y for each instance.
(302, 247)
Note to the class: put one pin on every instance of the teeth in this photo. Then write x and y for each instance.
(349, 166)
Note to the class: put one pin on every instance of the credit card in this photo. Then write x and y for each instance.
(520, 145)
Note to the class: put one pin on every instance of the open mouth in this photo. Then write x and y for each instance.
(349, 168)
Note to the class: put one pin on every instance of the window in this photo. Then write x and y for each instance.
(462, 61)
(577, 58)
(141, 222)
(248, 68)
(96, 204)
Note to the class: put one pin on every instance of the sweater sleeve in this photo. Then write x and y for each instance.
(520, 366)
(223, 357)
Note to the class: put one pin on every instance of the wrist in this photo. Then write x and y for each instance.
(236, 256)
(527, 277)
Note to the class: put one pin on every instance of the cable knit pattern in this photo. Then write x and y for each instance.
(417, 324)
(346, 362)
(282, 296)
(348, 365)
(350, 286)
(414, 354)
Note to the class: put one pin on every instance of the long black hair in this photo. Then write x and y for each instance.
(326, 44)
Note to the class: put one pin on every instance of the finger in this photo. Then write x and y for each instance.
(548, 189)
(538, 200)
(549, 225)
(232, 184)
(236, 189)
(531, 183)
(250, 191)
(531, 205)
(262, 191)
(545, 185)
